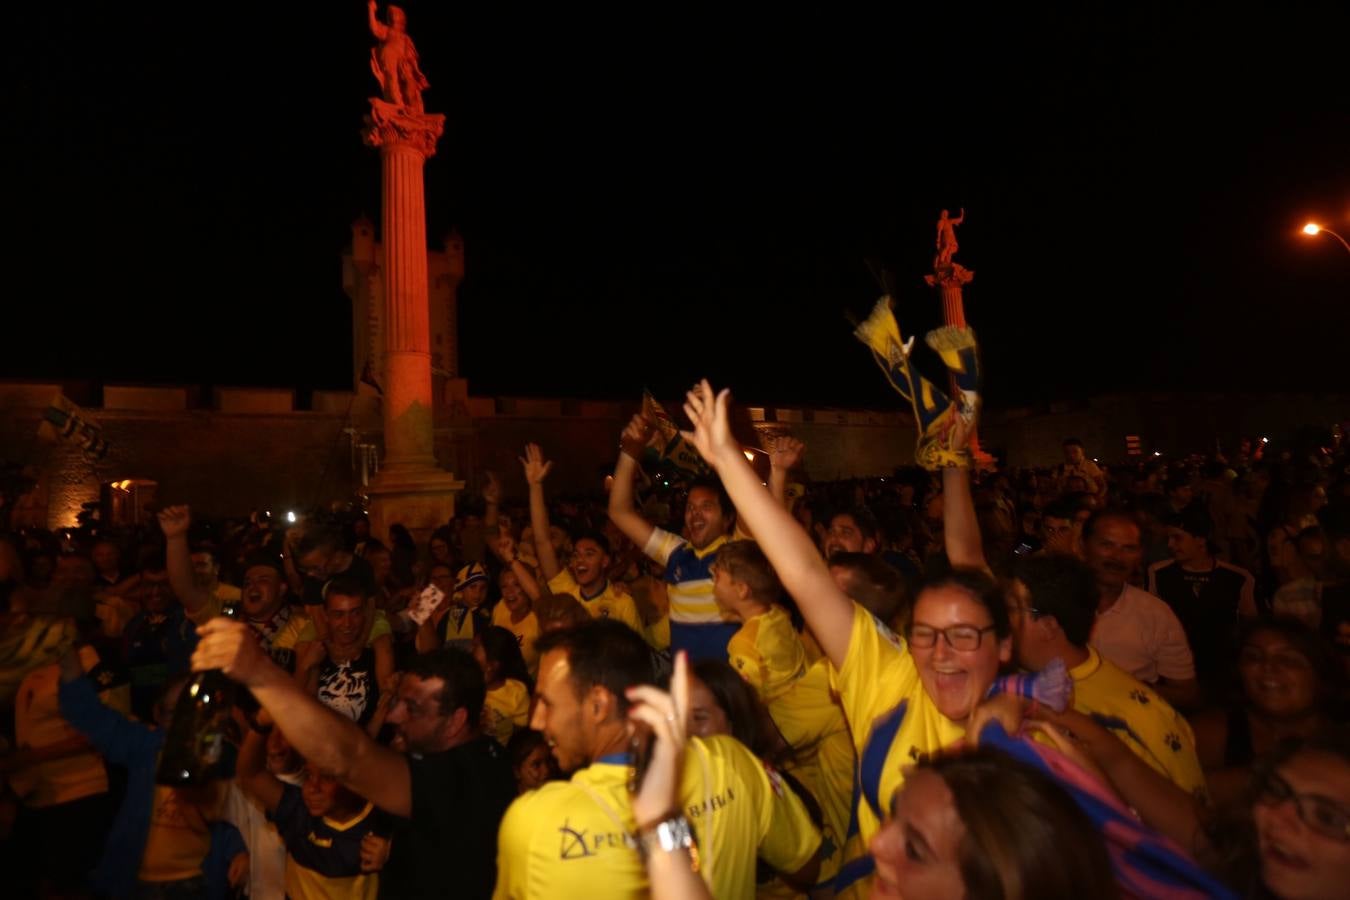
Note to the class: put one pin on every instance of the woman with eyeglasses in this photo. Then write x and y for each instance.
(1288, 839)
(1301, 816)
(1287, 671)
(904, 699)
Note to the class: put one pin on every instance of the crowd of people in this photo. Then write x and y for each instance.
(1054, 682)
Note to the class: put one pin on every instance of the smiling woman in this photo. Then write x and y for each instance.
(981, 824)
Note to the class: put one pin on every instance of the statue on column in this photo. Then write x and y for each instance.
(397, 116)
(946, 239)
(394, 61)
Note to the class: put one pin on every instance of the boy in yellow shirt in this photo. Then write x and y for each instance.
(768, 653)
(584, 577)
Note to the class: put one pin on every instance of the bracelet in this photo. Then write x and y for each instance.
(667, 836)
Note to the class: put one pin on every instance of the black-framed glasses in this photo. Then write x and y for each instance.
(1322, 814)
(958, 637)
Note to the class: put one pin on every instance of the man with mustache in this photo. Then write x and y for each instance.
(1134, 629)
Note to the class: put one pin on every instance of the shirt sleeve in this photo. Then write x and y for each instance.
(876, 657)
(290, 811)
(788, 837)
(206, 612)
(563, 582)
(381, 626)
(513, 850)
(661, 544)
(626, 612)
(1173, 653)
(744, 658)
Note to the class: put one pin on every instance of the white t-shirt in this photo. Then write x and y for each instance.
(266, 851)
(1141, 635)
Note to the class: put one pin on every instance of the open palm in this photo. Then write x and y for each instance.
(712, 426)
(536, 467)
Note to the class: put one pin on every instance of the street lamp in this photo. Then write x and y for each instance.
(1312, 228)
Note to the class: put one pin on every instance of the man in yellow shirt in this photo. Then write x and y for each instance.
(263, 598)
(577, 838)
(584, 577)
(1053, 606)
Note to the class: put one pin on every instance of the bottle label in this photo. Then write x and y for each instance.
(209, 746)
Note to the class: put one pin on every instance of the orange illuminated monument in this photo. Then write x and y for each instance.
(949, 277)
(410, 488)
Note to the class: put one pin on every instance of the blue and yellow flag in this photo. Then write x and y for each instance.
(934, 411)
(669, 444)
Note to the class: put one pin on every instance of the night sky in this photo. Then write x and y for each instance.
(660, 193)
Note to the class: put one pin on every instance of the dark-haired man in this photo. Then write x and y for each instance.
(738, 810)
(584, 576)
(450, 788)
(697, 625)
(1053, 606)
(1134, 629)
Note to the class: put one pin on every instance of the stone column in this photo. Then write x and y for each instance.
(949, 279)
(409, 487)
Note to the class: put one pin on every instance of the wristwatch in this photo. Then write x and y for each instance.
(667, 836)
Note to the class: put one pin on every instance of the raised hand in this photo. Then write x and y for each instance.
(232, 647)
(637, 435)
(504, 546)
(174, 521)
(712, 426)
(536, 467)
(374, 849)
(785, 452)
(963, 424)
(659, 794)
(492, 490)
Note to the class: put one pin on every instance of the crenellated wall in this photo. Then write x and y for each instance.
(245, 448)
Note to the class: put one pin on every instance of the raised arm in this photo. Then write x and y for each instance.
(329, 741)
(622, 510)
(785, 454)
(960, 527)
(492, 498)
(827, 609)
(377, 28)
(536, 470)
(174, 522)
(251, 771)
(504, 547)
(1160, 804)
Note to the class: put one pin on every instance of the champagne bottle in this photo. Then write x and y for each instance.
(195, 744)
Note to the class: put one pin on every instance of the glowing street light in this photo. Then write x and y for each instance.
(1312, 229)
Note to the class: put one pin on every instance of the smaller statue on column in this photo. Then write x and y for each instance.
(946, 239)
(394, 61)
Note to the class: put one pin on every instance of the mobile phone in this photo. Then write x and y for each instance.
(640, 751)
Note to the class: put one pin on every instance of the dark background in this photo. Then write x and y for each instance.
(649, 195)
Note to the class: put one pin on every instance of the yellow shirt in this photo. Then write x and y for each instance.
(810, 719)
(893, 720)
(657, 634)
(307, 631)
(180, 834)
(575, 838)
(688, 576)
(505, 709)
(1141, 719)
(767, 653)
(38, 723)
(608, 604)
(526, 632)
